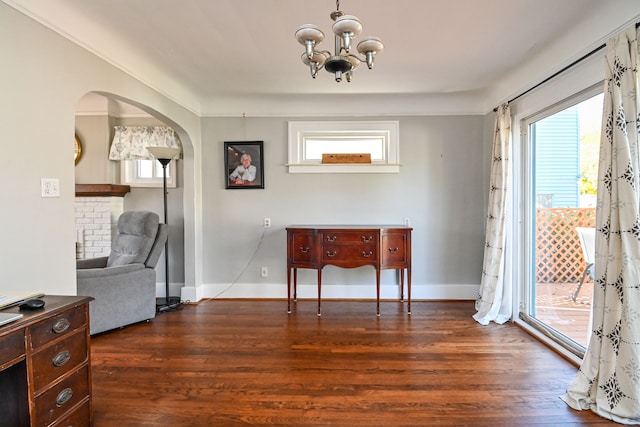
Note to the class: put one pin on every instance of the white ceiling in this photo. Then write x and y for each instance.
(228, 57)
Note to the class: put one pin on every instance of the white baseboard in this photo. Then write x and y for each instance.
(309, 291)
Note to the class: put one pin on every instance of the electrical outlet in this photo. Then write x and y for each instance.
(407, 222)
(264, 272)
(267, 224)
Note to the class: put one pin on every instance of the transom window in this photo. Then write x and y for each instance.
(315, 148)
(308, 141)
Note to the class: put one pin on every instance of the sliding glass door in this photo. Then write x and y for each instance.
(563, 146)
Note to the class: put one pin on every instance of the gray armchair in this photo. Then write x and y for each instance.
(123, 284)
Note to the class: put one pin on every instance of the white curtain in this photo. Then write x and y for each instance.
(608, 382)
(131, 142)
(494, 298)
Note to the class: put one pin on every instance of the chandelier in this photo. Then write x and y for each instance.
(345, 28)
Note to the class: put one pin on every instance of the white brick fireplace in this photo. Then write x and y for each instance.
(98, 207)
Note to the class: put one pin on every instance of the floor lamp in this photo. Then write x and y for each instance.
(164, 155)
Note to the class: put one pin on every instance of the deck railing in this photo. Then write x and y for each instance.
(558, 253)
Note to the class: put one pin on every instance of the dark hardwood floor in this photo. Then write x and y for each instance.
(235, 362)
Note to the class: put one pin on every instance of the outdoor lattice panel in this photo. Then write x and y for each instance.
(559, 256)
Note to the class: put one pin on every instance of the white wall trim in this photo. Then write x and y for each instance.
(329, 291)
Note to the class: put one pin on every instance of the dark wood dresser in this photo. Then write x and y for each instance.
(349, 246)
(45, 375)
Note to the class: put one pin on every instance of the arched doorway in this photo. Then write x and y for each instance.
(96, 116)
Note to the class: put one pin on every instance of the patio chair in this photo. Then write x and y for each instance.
(587, 237)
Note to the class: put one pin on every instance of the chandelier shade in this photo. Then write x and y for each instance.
(342, 62)
(347, 27)
(309, 36)
(317, 60)
(369, 47)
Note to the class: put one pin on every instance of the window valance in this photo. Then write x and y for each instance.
(131, 142)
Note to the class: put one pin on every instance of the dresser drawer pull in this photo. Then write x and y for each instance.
(61, 325)
(367, 254)
(367, 239)
(331, 254)
(61, 358)
(331, 238)
(304, 250)
(64, 396)
(393, 250)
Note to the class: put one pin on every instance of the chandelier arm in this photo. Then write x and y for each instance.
(322, 52)
(338, 45)
(365, 59)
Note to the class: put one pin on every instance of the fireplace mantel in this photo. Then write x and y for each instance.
(101, 190)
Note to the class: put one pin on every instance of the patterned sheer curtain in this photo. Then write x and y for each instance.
(608, 382)
(131, 142)
(494, 299)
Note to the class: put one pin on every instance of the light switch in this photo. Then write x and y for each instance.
(50, 187)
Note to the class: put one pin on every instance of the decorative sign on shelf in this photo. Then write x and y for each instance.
(346, 158)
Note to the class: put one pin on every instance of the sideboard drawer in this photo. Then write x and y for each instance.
(338, 253)
(394, 249)
(11, 347)
(56, 360)
(62, 397)
(303, 247)
(56, 327)
(339, 237)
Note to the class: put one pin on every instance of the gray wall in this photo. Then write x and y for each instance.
(42, 78)
(440, 187)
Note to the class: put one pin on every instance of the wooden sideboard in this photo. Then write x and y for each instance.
(348, 246)
(45, 375)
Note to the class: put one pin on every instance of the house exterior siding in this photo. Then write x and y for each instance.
(557, 164)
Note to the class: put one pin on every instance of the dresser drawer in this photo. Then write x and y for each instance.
(57, 326)
(11, 347)
(355, 253)
(56, 360)
(62, 397)
(80, 417)
(340, 237)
